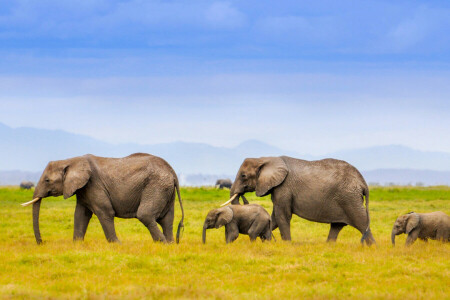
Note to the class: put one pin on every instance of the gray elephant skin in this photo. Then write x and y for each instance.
(327, 191)
(223, 183)
(434, 225)
(26, 185)
(250, 219)
(138, 186)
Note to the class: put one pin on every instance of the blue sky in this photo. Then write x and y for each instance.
(309, 76)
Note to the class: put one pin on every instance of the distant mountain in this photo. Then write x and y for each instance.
(29, 149)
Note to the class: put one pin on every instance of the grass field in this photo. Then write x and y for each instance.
(138, 268)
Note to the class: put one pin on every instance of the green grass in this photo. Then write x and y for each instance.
(138, 268)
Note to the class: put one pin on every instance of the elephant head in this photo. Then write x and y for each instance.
(62, 177)
(405, 224)
(258, 174)
(217, 218)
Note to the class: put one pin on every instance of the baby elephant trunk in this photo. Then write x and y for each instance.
(204, 234)
(393, 237)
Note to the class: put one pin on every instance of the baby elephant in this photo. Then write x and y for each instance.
(435, 225)
(251, 219)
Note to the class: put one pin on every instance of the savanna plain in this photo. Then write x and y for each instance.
(307, 267)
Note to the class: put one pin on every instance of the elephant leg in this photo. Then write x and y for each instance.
(283, 217)
(256, 229)
(231, 233)
(81, 218)
(441, 235)
(335, 228)
(166, 223)
(154, 202)
(358, 219)
(412, 237)
(149, 221)
(266, 234)
(370, 240)
(244, 200)
(274, 221)
(103, 209)
(107, 222)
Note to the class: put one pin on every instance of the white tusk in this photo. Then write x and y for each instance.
(231, 199)
(31, 202)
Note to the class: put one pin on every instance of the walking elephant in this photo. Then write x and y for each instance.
(138, 186)
(327, 191)
(434, 225)
(251, 219)
(223, 183)
(26, 185)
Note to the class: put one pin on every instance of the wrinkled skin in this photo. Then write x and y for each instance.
(27, 185)
(327, 191)
(435, 226)
(138, 186)
(223, 183)
(251, 219)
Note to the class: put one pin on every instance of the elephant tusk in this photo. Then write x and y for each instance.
(231, 199)
(30, 202)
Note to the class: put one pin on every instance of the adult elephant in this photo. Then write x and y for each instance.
(26, 185)
(223, 183)
(327, 191)
(137, 186)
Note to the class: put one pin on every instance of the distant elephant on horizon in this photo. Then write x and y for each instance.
(26, 185)
(223, 183)
(326, 191)
(139, 186)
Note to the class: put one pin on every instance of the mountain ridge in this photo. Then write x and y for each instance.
(30, 149)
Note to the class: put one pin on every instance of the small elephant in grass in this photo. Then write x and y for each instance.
(251, 219)
(434, 225)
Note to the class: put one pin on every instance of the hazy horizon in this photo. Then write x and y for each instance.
(243, 142)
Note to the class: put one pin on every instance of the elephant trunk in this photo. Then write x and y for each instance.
(204, 234)
(36, 209)
(393, 238)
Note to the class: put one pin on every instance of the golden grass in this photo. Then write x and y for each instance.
(138, 268)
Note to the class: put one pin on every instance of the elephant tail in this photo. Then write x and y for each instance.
(366, 195)
(181, 224)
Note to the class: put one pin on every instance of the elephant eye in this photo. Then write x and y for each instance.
(244, 176)
(47, 180)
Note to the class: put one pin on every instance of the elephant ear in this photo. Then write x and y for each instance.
(272, 173)
(76, 175)
(412, 222)
(224, 216)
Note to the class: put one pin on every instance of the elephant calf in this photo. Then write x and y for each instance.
(250, 219)
(435, 226)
